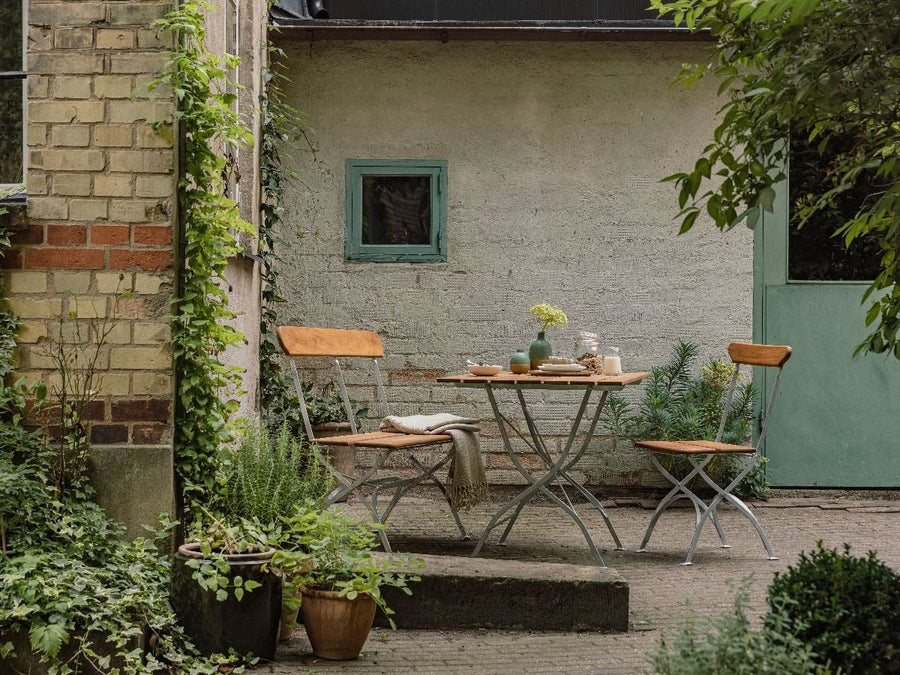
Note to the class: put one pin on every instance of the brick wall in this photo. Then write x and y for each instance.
(100, 213)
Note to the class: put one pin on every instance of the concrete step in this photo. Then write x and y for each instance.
(457, 593)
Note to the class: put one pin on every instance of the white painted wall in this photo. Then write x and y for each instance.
(555, 153)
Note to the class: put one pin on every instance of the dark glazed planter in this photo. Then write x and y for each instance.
(249, 625)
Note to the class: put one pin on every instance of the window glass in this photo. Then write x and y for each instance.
(396, 210)
(10, 35)
(11, 131)
(813, 253)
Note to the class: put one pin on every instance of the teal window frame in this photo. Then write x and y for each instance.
(354, 249)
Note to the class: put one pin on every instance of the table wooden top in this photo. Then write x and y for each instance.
(546, 379)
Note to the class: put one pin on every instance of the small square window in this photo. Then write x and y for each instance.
(396, 210)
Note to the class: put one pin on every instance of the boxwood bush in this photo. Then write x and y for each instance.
(846, 608)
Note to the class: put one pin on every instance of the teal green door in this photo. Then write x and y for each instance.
(837, 419)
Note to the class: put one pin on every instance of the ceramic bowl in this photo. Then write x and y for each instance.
(484, 370)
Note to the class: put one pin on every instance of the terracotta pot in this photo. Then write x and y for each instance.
(342, 458)
(337, 627)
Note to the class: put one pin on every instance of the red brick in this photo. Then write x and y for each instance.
(154, 410)
(31, 234)
(11, 259)
(64, 258)
(153, 236)
(149, 434)
(104, 235)
(60, 235)
(109, 433)
(120, 259)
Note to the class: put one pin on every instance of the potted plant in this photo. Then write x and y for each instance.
(328, 418)
(225, 592)
(342, 589)
(231, 575)
(540, 350)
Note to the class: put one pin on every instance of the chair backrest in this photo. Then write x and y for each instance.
(336, 343)
(768, 356)
(333, 342)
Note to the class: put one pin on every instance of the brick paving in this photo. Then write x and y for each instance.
(659, 586)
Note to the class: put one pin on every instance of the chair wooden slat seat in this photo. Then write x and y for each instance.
(695, 447)
(385, 439)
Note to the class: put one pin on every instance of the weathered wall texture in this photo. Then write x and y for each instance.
(99, 223)
(555, 153)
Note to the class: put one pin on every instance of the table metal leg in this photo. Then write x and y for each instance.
(555, 470)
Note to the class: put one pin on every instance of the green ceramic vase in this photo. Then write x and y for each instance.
(539, 351)
(519, 362)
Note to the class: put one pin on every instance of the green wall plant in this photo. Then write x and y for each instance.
(210, 226)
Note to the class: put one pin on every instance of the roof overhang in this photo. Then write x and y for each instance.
(287, 28)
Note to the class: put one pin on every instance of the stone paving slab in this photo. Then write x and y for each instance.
(659, 585)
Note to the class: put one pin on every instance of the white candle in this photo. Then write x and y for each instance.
(612, 365)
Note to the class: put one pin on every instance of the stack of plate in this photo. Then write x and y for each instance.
(567, 368)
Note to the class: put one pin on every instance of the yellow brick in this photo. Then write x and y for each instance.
(37, 134)
(76, 86)
(26, 282)
(72, 282)
(36, 183)
(87, 307)
(140, 358)
(72, 135)
(38, 87)
(151, 333)
(65, 112)
(31, 308)
(73, 38)
(113, 384)
(133, 211)
(144, 161)
(48, 208)
(119, 333)
(114, 282)
(148, 284)
(148, 137)
(113, 86)
(154, 186)
(32, 331)
(68, 160)
(118, 38)
(113, 185)
(151, 384)
(113, 136)
(89, 209)
(72, 184)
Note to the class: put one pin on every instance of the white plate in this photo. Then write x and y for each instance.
(561, 367)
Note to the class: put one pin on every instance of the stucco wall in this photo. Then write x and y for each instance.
(555, 152)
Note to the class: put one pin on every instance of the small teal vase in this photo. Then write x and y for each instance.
(519, 362)
(539, 351)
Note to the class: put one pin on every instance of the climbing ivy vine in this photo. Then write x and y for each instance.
(281, 123)
(211, 225)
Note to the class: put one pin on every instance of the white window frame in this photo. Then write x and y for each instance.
(23, 75)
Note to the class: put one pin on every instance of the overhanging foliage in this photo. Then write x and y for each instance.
(829, 69)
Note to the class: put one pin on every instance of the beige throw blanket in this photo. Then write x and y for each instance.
(468, 481)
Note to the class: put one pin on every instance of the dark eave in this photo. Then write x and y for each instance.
(290, 28)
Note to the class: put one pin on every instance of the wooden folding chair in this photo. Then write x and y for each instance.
(701, 452)
(300, 341)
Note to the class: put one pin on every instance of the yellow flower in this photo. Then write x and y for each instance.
(549, 316)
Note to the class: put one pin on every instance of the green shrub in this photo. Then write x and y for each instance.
(728, 644)
(846, 608)
(679, 405)
(265, 481)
